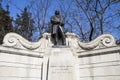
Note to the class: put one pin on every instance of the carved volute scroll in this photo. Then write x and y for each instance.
(72, 40)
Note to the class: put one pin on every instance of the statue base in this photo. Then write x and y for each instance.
(61, 65)
(60, 46)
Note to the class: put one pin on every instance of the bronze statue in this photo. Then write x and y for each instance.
(58, 32)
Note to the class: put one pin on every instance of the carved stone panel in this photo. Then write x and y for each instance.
(61, 65)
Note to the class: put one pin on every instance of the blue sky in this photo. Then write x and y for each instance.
(15, 6)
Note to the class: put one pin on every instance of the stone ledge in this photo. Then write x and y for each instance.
(21, 52)
(14, 40)
(96, 52)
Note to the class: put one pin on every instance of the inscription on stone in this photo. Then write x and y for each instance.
(61, 69)
(61, 66)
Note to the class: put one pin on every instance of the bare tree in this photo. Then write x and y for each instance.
(72, 17)
(87, 18)
(40, 8)
(95, 13)
(65, 9)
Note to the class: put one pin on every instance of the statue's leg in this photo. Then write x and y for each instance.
(57, 35)
(57, 38)
(55, 43)
(63, 39)
(54, 39)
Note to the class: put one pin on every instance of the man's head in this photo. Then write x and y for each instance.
(57, 12)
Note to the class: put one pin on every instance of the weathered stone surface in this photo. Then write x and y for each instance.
(61, 65)
(16, 41)
(100, 67)
(24, 60)
(19, 67)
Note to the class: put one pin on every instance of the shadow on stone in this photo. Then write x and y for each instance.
(60, 46)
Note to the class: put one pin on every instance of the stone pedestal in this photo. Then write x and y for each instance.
(61, 64)
(24, 60)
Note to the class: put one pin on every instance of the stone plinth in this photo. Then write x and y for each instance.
(61, 64)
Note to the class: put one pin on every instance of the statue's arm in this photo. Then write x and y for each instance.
(57, 21)
(62, 22)
(54, 21)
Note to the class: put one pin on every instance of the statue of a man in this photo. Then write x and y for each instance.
(57, 32)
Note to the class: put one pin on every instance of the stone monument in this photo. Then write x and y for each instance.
(24, 60)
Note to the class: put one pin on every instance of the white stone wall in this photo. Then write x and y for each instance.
(24, 60)
(19, 66)
(100, 67)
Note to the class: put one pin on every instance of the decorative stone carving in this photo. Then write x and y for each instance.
(105, 40)
(72, 40)
(17, 41)
(40, 61)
